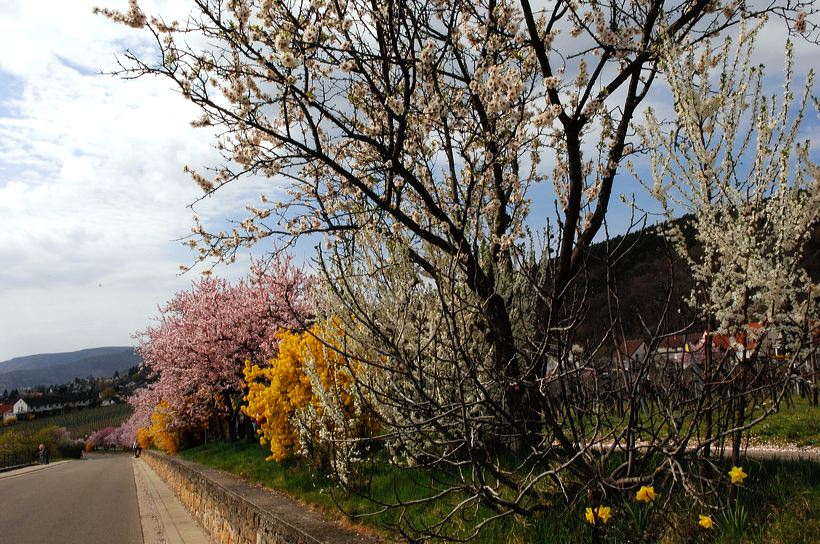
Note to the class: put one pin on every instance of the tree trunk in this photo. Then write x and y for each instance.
(815, 391)
(740, 417)
(707, 391)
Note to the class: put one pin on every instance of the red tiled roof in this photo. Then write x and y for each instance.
(722, 341)
(631, 346)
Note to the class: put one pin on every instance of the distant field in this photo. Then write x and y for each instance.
(79, 423)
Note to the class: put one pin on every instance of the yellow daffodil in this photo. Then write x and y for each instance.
(646, 494)
(603, 513)
(737, 475)
(706, 522)
(592, 515)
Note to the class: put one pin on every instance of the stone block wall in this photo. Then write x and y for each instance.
(234, 512)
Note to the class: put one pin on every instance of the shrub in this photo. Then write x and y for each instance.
(70, 449)
(56, 440)
(144, 438)
(50, 437)
(161, 433)
(274, 394)
(303, 400)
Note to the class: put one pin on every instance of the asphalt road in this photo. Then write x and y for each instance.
(92, 501)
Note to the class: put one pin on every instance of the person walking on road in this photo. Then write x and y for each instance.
(42, 454)
(137, 448)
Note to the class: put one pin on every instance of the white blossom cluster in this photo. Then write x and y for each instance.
(418, 378)
(733, 160)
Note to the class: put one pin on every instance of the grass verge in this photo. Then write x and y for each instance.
(781, 498)
(798, 425)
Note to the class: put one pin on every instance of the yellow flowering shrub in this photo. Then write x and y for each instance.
(144, 438)
(158, 434)
(275, 392)
(283, 388)
(332, 369)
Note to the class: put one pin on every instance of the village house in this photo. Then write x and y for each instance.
(628, 354)
(7, 413)
(683, 355)
(49, 404)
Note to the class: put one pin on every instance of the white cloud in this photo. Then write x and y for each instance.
(92, 192)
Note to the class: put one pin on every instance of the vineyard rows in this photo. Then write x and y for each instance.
(80, 423)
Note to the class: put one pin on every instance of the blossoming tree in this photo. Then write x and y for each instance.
(143, 402)
(733, 160)
(416, 137)
(198, 349)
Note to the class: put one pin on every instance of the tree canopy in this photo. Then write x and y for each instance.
(198, 349)
(415, 137)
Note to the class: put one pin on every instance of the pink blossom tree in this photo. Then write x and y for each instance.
(203, 337)
(101, 437)
(143, 402)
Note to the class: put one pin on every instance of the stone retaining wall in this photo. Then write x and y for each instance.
(234, 512)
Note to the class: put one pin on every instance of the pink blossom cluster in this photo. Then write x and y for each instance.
(107, 437)
(198, 348)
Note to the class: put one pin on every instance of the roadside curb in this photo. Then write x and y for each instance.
(14, 467)
(25, 469)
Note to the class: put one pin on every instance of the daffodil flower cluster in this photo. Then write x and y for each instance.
(646, 494)
(594, 515)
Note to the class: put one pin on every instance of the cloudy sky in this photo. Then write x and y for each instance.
(92, 192)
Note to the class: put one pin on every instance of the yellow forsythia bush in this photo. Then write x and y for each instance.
(158, 434)
(276, 392)
(144, 438)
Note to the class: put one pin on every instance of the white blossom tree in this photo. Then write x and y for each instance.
(413, 136)
(733, 160)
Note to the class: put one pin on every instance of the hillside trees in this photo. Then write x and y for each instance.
(417, 137)
(198, 348)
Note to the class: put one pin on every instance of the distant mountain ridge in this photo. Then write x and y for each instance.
(57, 368)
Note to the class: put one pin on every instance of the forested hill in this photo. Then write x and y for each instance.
(55, 368)
(644, 270)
